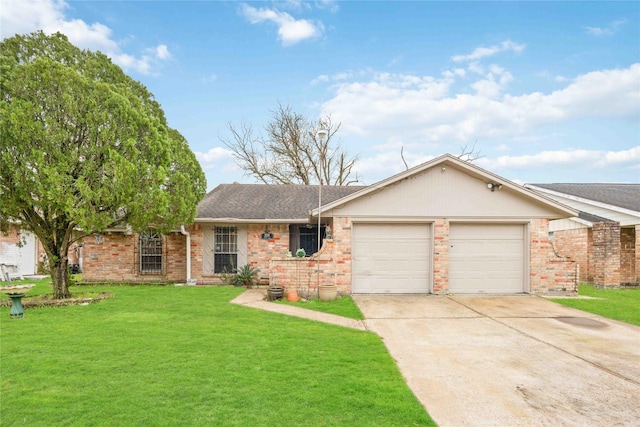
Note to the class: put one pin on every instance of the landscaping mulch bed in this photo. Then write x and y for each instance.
(48, 300)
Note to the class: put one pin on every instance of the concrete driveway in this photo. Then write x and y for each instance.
(510, 360)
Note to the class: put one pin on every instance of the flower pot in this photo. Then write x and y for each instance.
(275, 292)
(292, 295)
(327, 292)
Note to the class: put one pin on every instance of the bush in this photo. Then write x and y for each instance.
(246, 275)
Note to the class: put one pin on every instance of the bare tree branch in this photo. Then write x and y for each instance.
(469, 154)
(291, 152)
(406, 166)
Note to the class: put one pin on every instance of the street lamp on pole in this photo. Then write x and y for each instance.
(321, 135)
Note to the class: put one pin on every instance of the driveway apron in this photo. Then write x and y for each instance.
(510, 360)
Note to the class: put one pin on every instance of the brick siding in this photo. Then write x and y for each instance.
(441, 256)
(260, 252)
(116, 258)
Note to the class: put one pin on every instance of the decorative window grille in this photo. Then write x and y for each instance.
(225, 249)
(150, 252)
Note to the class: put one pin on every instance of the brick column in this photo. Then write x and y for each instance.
(606, 254)
(637, 253)
(627, 256)
(441, 256)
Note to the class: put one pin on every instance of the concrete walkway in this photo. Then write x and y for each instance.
(510, 361)
(500, 360)
(256, 298)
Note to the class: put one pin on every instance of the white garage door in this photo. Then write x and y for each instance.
(391, 258)
(486, 258)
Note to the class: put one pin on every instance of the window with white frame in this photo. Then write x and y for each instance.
(225, 249)
(150, 252)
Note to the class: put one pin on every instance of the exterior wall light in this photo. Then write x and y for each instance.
(494, 186)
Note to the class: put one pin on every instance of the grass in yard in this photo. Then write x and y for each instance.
(617, 304)
(167, 356)
(343, 306)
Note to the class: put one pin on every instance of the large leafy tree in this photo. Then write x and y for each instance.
(84, 147)
(291, 152)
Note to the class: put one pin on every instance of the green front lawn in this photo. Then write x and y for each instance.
(186, 356)
(343, 306)
(617, 304)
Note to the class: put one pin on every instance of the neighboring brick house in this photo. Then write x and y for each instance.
(446, 226)
(604, 239)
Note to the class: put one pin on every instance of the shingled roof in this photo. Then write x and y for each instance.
(625, 196)
(267, 202)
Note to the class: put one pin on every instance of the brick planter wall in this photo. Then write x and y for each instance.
(306, 273)
(548, 270)
(575, 244)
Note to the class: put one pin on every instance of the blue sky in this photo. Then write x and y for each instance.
(548, 91)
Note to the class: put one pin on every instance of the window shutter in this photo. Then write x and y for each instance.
(208, 255)
(242, 245)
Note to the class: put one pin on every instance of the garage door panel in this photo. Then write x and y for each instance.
(391, 258)
(486, 231)
(487, 246)
(486, 258)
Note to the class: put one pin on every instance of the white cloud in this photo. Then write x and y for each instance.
(320, 79)
(609, 30)
(422, 108)
(21, 17)
(330, 5)
(566, 158)
(385, 161)
(482, 52)
(216, 157)
(290, 30)
(162, 52)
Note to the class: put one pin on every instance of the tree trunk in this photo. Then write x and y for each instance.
(60, 278)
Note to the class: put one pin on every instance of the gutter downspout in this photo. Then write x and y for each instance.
(185, 233)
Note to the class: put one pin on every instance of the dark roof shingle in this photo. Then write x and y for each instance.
(262, 201)
(625, 196)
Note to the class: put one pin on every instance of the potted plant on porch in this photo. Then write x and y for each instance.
(327, 292)
(275, 292)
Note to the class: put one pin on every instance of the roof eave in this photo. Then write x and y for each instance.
(585, 201)
(253, 220)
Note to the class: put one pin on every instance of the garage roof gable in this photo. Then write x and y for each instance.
(490, 182)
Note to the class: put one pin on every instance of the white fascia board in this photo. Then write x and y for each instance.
(582, 221)
(586, 201)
